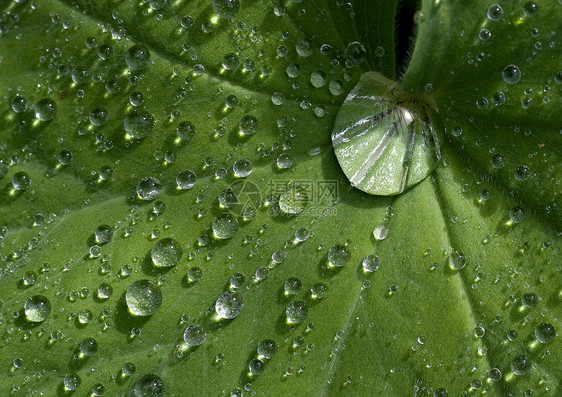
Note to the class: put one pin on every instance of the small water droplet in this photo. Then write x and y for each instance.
(229, 304)
(194, 335)
(143, 298)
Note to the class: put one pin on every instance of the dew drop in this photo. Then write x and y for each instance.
(71, 382)
(103, 234)
(292, 286)
(267, 348)
(229, 304)
(195, 335)
(248, 125)
(511, 74)
(356, 52)
(545, 333)
(224, 226)
(520, 365)
(457, 260)
(138, 124)
(338, 255)
(21, 181)
(98, 117)
(185, 180)
(226, 9)
(88, 347)
(495, 12)
(256, 366)
(242, 168)
(148, 188)
(45, 109)
(19, 104)
(296, 312)
(37, 308)
(371, 263)
(143, 298)
(166, 253)
(149, 386)
(137, 57)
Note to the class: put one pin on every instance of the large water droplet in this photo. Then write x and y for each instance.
(21, 181)
(383, 137)
(267, 348)
(457, 260)
(143, 298)
(88, 347)
(229, 304)
(520, 365)
(495, 12)
(37, 308)
(166, 253)
(371, 263)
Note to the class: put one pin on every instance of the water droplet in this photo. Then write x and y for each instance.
(71, 382)
(356, 52)
(520, 365)
(338, 255)
(530, 9)
(29, 279)
(104, 291)
(236, 280)
(19, 104)
(457, 260)
(149, 386)
(302, 234)
(248, 125)
(267, 349)
(256, 366)
(137, 57)
(284, 161)
(226, 9)
(194, 335)
(21, 181)
(148, 188)
(166, 253)
(138, 124)
(511, 74)
(495, 12)
(293, 201)
(143, 298)
(98, 117)
(497, 161)
(522, 173)
(545, 333)
(224, 226)
(88, 347)
(65, 157)
(37, 308)
(103, 234)
(557, 78)
(194, 274)
(296, 312)
(136, 98)
(516, 214)
(529, 300)
(292, 286)
(479, 331)
(498, 98)
(379, 52)
(318, 79)
(318, 291)
(380, 232)
(156, 4)
(229, 304)
(484, 34)
(242, 168)
(80, 75)
(495, 374)
(230, 61)
(45, 109)
(371, 263)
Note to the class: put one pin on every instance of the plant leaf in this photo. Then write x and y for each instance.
(409, 327)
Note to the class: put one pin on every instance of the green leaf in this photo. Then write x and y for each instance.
(190, 156)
